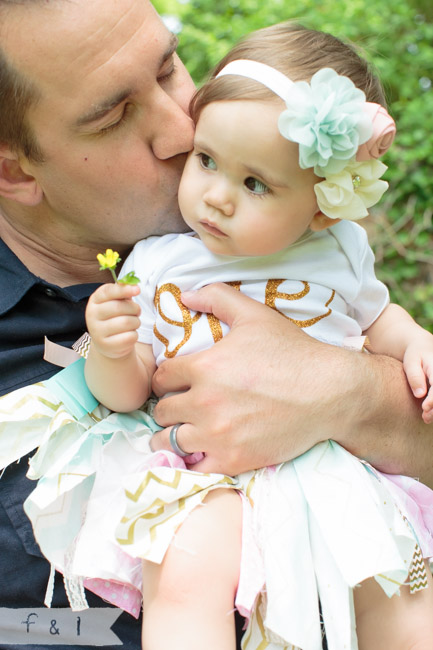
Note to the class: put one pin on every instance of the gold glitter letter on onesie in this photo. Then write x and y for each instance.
(186, 323)
(272, 294)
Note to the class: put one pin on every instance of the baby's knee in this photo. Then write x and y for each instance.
(209, 540)
(212, 525)
(205, 551)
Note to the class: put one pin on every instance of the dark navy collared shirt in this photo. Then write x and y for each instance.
(30, 309)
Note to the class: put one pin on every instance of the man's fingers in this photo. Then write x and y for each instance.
(161, 439)
(172, 409)
(225, 302)
(207, 465)
(172, 376)
(196, 460)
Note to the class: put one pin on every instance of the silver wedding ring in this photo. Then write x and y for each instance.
(173, 441)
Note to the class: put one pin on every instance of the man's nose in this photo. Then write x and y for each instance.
(173, 132)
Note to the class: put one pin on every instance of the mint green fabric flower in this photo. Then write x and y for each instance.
(348, 194)
(328, 120)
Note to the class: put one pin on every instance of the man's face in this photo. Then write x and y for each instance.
(112, 120)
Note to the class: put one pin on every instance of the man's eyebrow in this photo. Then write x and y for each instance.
(172, 47)
(100, 110)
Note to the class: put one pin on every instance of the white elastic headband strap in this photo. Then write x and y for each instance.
(264, 74)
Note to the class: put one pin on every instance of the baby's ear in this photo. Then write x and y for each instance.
(321, 222)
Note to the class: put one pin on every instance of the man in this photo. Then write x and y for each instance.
(105, 100)
(94, 132)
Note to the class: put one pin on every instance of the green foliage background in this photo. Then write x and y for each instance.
(397, 36)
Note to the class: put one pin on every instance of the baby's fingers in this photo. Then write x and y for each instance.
(114, 291)
(427, 408)
(115, 337)
(412, 364)
(116, 325)
(109, 295)
(118, 344)
(111, 301)
(427, 405)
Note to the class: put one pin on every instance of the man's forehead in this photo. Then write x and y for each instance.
(63, 41)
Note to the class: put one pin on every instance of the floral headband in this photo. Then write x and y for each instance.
(340, 135)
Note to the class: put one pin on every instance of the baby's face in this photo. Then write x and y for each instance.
(242, 190)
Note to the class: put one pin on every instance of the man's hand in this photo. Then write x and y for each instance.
(241, 401)
(268, 392)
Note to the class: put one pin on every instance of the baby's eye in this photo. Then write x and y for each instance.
(255, 186)
(206, 161)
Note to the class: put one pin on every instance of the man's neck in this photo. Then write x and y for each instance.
(56, 262)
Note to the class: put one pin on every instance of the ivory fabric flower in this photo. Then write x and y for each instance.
(383, 133)
(326, 117)
(348, 194)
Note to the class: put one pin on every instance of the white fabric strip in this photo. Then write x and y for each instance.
(264, 74)
(50, 586)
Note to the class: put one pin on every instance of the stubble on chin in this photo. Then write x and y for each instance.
(170, 222)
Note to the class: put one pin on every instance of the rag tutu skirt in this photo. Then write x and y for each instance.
(313, 528)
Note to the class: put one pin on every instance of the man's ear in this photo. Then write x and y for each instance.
(321, 222)
(15, 184)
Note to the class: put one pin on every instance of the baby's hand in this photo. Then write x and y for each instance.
(418, 366)
(112, 319)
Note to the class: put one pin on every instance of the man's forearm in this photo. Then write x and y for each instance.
(382, 422)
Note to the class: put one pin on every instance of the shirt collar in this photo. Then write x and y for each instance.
(16, 280)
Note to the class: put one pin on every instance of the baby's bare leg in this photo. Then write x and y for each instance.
(188, 600)
(402, 622)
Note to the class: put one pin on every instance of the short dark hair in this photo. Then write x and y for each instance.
(17, 94)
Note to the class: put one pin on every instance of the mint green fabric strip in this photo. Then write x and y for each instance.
(70, 386)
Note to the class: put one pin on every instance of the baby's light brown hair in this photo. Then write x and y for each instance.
(297, 52)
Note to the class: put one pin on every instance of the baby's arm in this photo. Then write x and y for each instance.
(118, 369)
(396, 334)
